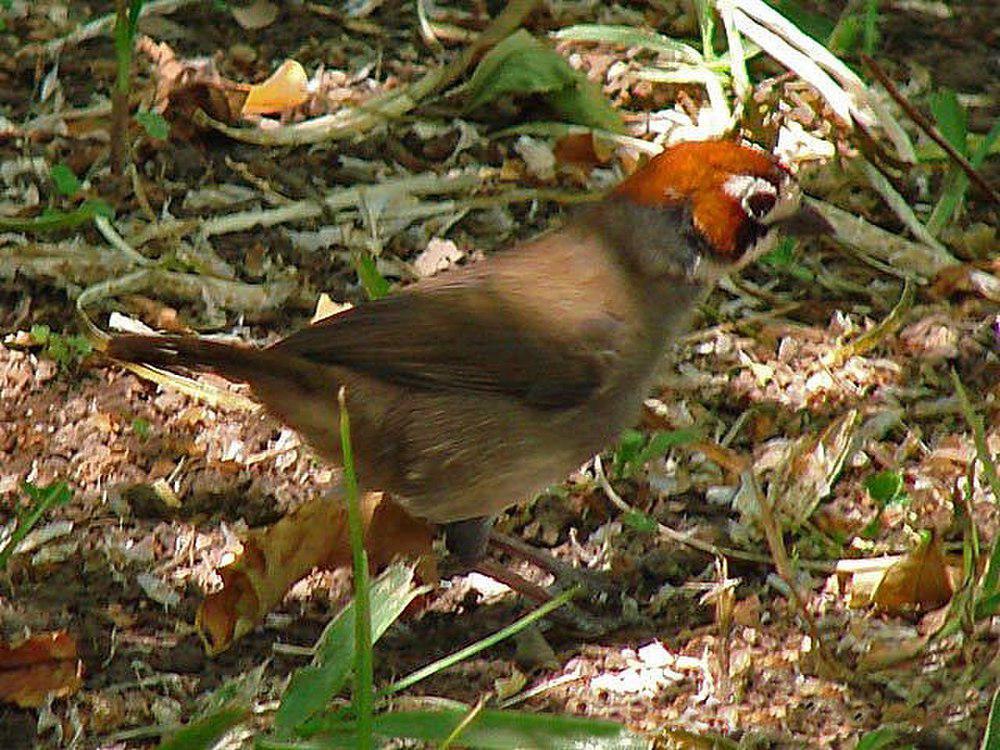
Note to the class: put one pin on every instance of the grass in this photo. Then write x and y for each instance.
(42, 500)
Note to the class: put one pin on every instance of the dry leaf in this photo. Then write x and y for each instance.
(315, 536)
(919, 581)
(257, 16)
(804, 474)
(41, 666)
(287, 88)
(439, 255)
(325, 307)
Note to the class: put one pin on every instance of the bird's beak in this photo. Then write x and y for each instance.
(804, 222)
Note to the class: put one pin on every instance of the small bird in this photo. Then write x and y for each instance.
(482, 386)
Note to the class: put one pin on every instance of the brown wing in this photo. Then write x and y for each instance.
(461, 337)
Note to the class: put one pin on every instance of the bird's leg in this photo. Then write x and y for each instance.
(468, 540)
(565, 574)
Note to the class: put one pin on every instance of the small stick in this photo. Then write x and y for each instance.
(927, 126)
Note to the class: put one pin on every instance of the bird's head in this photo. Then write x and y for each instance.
(735, 196)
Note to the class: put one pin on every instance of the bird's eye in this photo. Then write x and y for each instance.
(759, 204)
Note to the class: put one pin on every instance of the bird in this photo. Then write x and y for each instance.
(480, 387)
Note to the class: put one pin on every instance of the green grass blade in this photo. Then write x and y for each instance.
(473, 649)
(364, 670)
(312, 688)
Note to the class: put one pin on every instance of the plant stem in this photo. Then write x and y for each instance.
(364, 691)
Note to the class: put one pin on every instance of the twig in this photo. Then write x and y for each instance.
(99, 27)
(914, 258)
(928, 127)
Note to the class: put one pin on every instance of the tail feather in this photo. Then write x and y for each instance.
(228, 360)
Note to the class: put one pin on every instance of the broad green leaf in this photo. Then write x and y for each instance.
(374, 283)
(661, 442)
(154, 124)
(885, 488)
(488, 730)
(65, 181)
(951, 118)
(205, 733)
(503, 730)
(224, 709)
(991, 737)
(311, 688)
(879, 739)
(522, 65)
(639, 521)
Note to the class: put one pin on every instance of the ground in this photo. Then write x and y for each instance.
(775, 360)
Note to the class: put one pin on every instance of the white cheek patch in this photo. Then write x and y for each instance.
(744, 187)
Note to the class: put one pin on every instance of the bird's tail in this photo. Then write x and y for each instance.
(230, 361)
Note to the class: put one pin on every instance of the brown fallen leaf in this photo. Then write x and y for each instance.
(43, 665)
(258, 15)
(284, 90)
(919, 581)
(315, 536)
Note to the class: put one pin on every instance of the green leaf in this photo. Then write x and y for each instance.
(878, 739)
(49, 496)
(205, 733)
(141, 427)
(991, 737)
(221, 711)
(951, 119)
(870, 34)
(374, 283)
(885, 488)
(635, 450)
(987, 606)
(51, 221)
(522, 65)
(629, 446)
(957, 183)
(813, 24)
(154, 124)
(311, 688)
(66, 183)
(501, 730)
(45, 498)
(40, 333)
(660, 442)
(488, 730)
(639, 521)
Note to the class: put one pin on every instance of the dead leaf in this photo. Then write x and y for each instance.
(884, 655)
(287, 88)
(41, 666)
(325, 307)
(274, 558)
(919, 581)
(257, 16)
(804, 474)
(439, 255)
